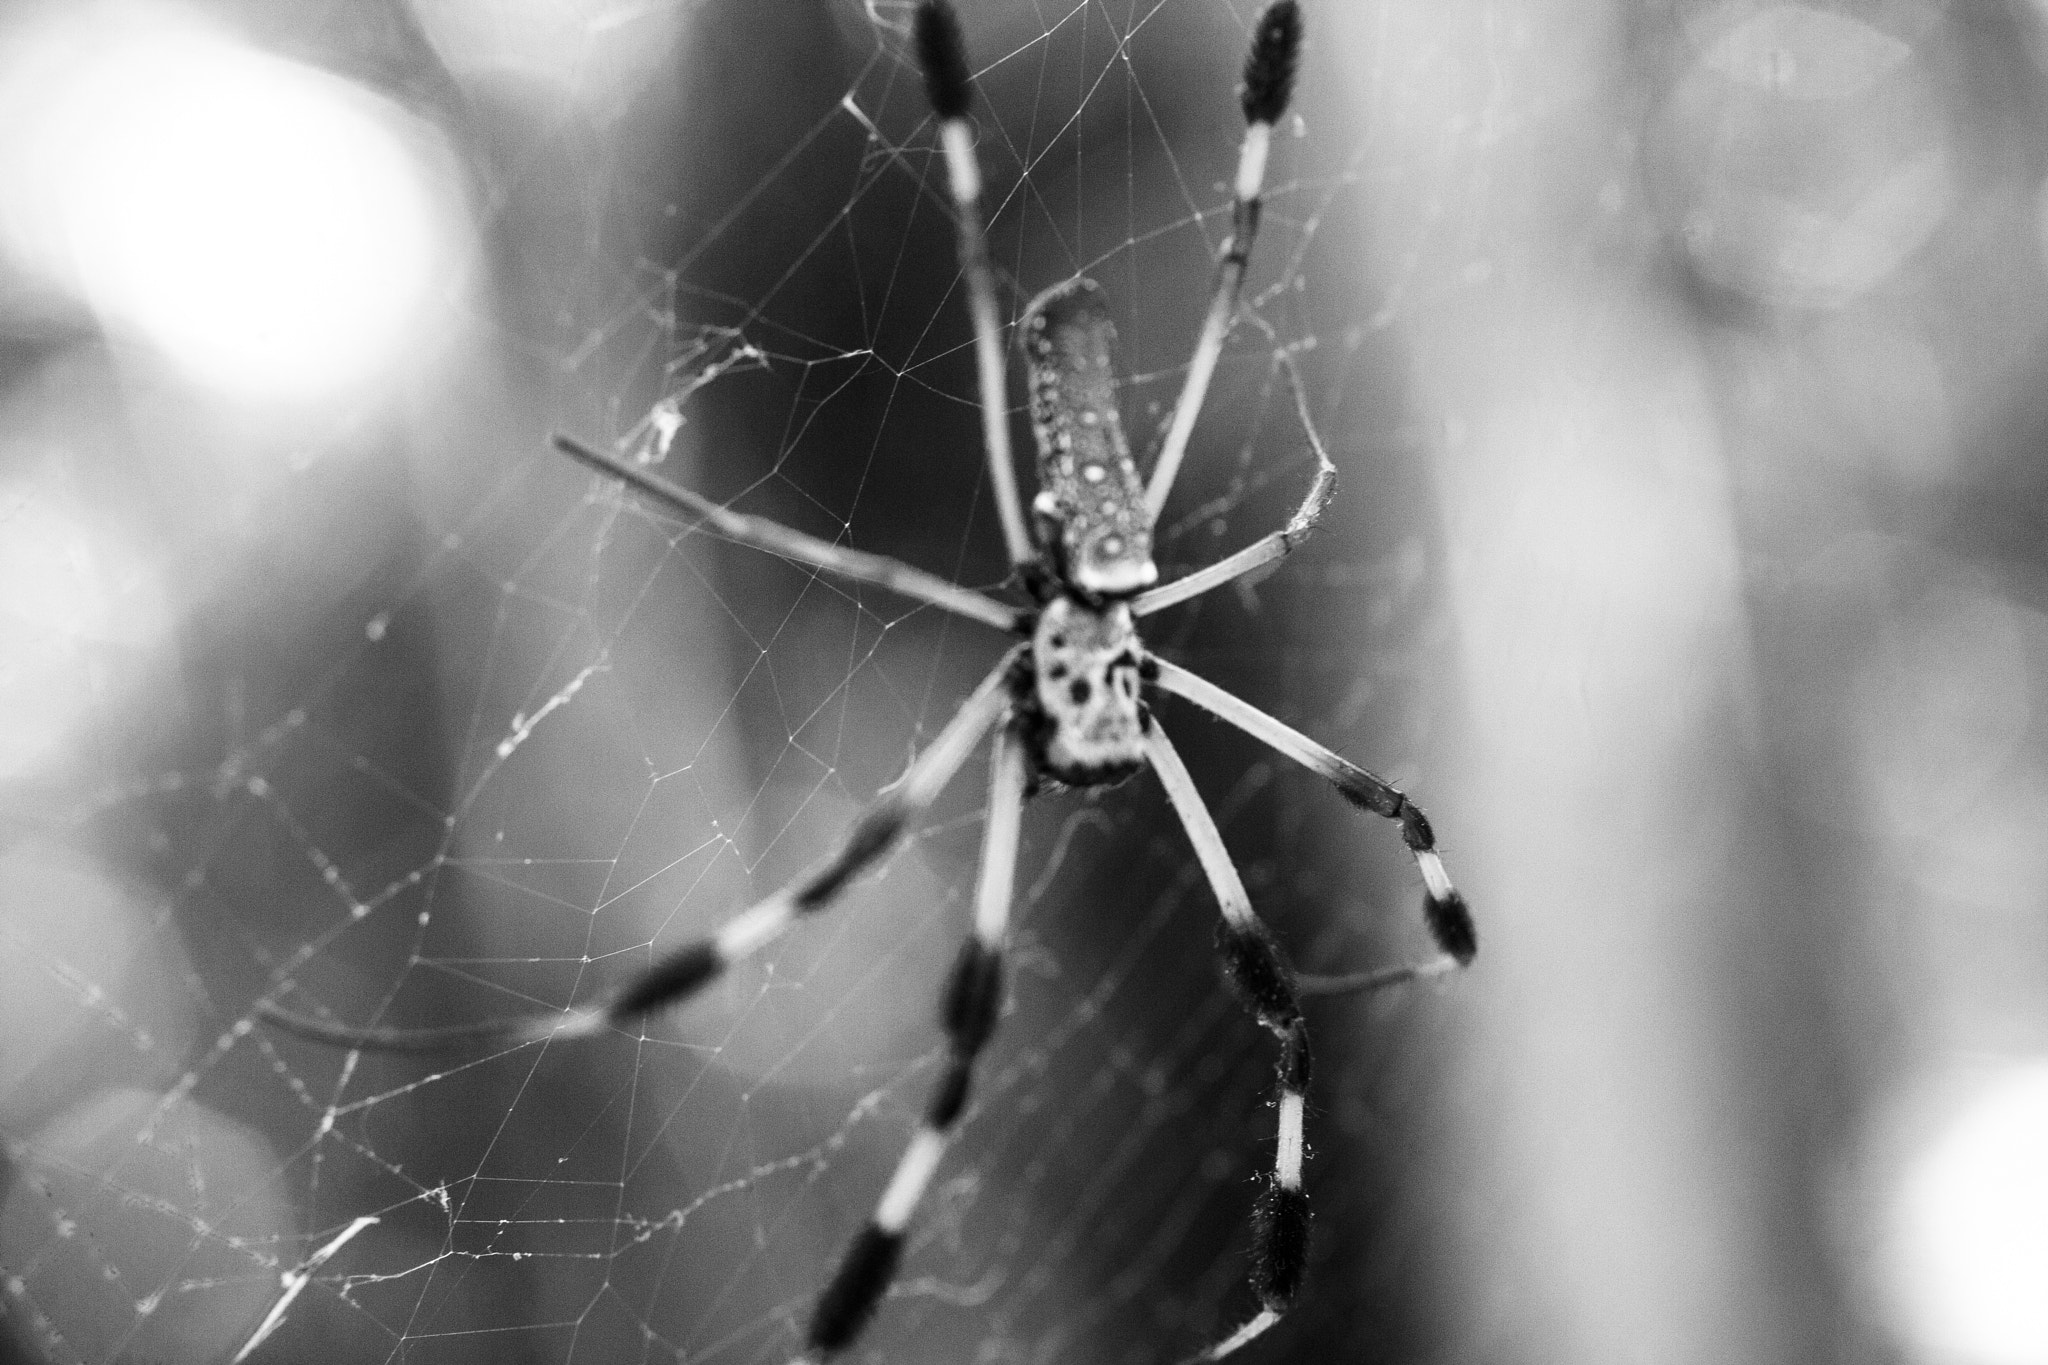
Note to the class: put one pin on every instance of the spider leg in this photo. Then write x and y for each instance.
(682, 973)
(1271, 546)
(1268, 84)
(1259, 976)
(942, 54)
(969, 1009)
(1443, 908)
(777, 539)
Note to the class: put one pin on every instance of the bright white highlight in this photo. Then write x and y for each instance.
(583, 1023)
(1287, 1162)
(963, 172)
(748, 931)
(999, 845)
(77, 604)
(1971, 1228)
(1266, 1318)
(1251, 159)
(262, 223)
(1433, 875)
(906, 1187)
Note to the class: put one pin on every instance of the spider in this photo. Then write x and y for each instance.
(1068, 704)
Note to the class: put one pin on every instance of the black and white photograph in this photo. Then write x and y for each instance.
(1023, 682)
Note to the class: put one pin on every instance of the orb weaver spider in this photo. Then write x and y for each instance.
(1067, 704)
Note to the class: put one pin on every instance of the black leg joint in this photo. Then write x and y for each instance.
(1294, 1060)
(951, 1096)
(942, 55)
(1279, 1246)
(676, 977)
(1415, 830)
(1271, 65)
(1258, 973)
(870, 838)
(974, 997)
(1450, 924)
(1368, 793)
(1244, 226)
(856, 1289)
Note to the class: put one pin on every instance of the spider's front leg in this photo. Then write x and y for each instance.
(1274, 544)
(777, 539)
(949, 86)
(1263, 982)
(968, 1010)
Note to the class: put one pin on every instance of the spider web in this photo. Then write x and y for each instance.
(540, 734)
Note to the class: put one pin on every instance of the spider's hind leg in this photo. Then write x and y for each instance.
(1444, 909)
(1259, 976)
(969, 1010)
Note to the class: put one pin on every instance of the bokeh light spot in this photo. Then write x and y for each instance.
(137, 1232)
(74, 601)
(1971, 1228)
(265, 224)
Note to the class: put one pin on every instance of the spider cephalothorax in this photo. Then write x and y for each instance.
(1068, 705)
(1078, 694)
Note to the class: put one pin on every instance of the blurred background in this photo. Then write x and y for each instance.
(1680, 365)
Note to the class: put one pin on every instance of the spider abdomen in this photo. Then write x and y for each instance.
(1083, 694)
(1091, 504)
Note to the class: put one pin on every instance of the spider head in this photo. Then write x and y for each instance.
(1086, 669)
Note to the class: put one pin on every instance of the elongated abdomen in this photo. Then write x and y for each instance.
(1091, 503)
